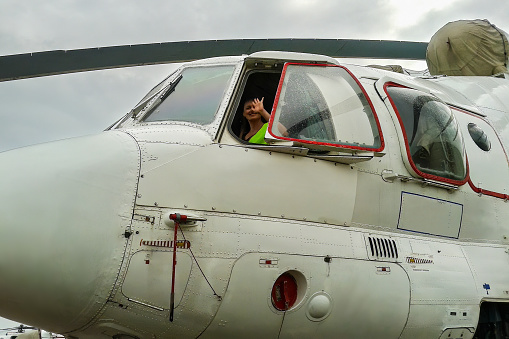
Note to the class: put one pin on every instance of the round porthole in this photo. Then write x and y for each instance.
(284, 292)
(288, 291)
(480, 138)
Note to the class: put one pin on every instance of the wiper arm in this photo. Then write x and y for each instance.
(164, 94)
(170, 88)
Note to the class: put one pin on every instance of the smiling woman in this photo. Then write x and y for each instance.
(255, 121)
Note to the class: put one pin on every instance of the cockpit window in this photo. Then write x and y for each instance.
(480, 138)
(155, 89)
(194, 96)
(433, 139)
(325, 105)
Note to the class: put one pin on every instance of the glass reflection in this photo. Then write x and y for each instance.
(320, 104)
(194, 96)
(432, 134)
(480, 138)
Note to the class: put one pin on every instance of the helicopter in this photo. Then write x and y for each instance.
(20, 332)
(380, 211)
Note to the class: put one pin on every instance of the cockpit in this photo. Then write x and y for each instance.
(320, 104)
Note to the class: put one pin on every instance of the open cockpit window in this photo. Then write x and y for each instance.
(324, 105)
(433, 140)
(258, 85)
(193, 96)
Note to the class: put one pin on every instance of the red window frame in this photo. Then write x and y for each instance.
(276, 101)
(407, 146)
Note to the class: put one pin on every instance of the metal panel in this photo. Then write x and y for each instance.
(148, 278)
(488, 169)
(422, 214)
(284, 183)
(357, 290)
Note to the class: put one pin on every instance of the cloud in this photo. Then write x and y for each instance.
(37, 110)
(66, 24)
(58, 107)
(431, 21)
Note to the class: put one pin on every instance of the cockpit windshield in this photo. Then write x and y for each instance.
(154, 90)
(194, 96)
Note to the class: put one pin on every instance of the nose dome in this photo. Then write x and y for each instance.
(64, 208)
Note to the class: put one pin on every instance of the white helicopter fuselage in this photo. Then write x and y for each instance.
(368, 244)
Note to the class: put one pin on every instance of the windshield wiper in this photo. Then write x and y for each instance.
(164, 94)
(170, 88)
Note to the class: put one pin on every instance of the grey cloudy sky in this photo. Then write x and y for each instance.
(44, 109)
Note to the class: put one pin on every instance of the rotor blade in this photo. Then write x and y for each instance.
(21, 66)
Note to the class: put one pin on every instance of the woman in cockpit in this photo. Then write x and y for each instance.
(255, 122)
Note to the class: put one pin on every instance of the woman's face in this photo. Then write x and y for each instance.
(250, 111)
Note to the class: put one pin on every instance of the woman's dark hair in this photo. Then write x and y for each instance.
(244, 124)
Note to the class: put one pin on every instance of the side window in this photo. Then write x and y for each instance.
(194, 96)
(479, 137)
(433, 140)
(324, 105)
(260, 85)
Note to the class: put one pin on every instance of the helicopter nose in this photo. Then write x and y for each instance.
(64, 209)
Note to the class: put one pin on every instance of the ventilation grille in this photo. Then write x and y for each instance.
(382, 248)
